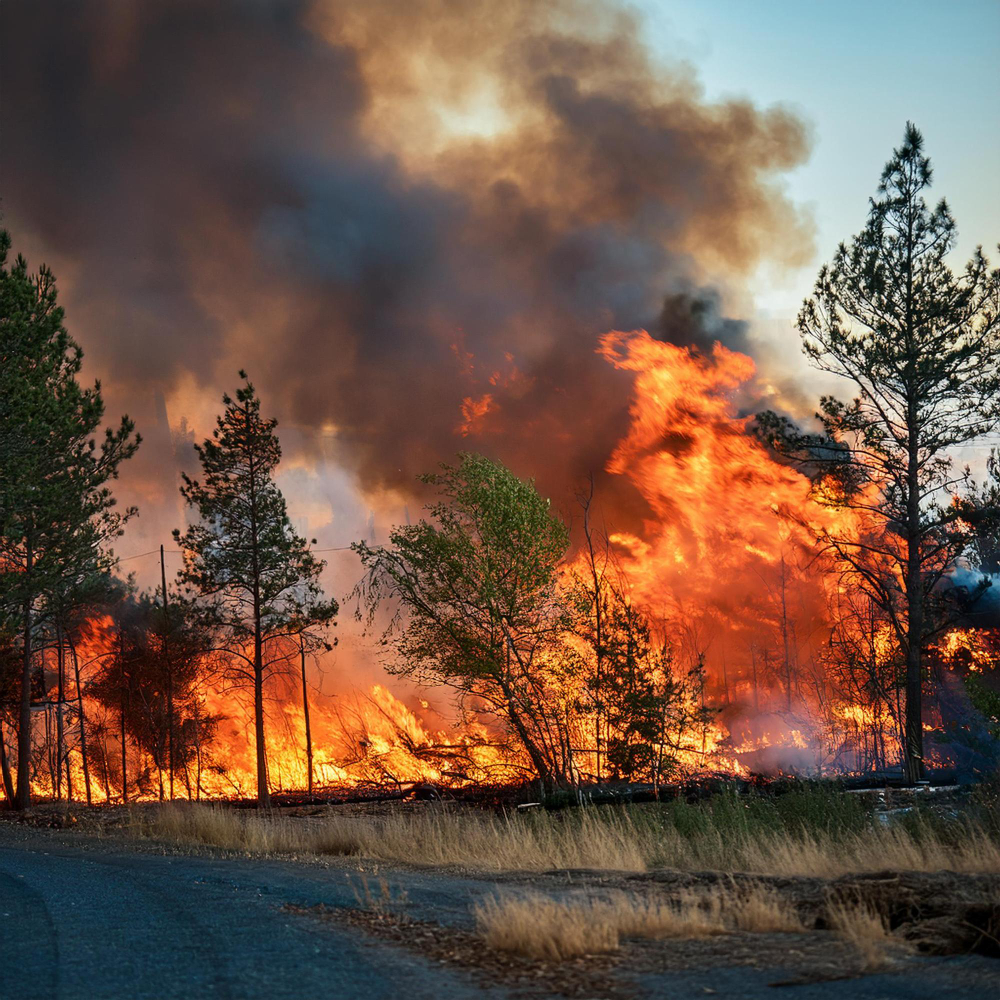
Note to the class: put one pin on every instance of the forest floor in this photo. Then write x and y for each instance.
(91, 912)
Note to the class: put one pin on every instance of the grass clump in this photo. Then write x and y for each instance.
(762, 910)
(540, 927)
(867, 930)
(537, 926)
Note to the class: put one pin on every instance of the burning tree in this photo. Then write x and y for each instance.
(153, 688)
(652, 708)
(922, 348)
(255, 581)
(56, 509)
(476, 600)
(641, 707)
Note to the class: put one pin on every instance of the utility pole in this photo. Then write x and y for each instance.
(121, 710)
(305, 711)
(170, 678)
(61, 753)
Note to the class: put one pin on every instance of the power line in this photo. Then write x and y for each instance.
(178, 552)
(139, 555)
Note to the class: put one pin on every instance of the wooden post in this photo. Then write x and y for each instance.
(305, 712)
(121, 712)
(170, 679)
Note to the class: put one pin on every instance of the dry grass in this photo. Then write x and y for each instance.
(538, 926)
(598, 839)
(867, 931)
(762, 910)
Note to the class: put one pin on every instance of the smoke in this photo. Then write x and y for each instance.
(409, 222)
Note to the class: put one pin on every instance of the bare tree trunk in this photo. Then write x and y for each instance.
(104, 765)
(83, 719)
(598, 625)
(784, 637)
(197, 750)
(48, 741)
(263, 793)
(534, 754)
(61, 689)
(170, 677)
(725, 677)
(8, 782)
(913, 761)
(23, 797)
(121, 719)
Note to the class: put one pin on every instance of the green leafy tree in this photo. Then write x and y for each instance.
(921, 347)
(255, 579)
(56, 507)
(475, 602)
(986, 701)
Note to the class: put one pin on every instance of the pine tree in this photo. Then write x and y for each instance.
(254, 576)
(56, 508)
(922, 349)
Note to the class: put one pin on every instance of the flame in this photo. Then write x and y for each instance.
(722, 508)
(974, 650)
(726, 564)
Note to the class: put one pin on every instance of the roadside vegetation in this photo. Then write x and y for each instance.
(537, 926)
(812, 832)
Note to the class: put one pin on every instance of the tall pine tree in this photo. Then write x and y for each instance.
(254, 576)
(56, 507)
(921, 348)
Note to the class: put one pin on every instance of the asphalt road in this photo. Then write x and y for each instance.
(88, 922)
(86, 919)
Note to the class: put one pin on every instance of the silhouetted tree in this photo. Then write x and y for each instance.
(922, 349)
(253, 576)
(56, 508)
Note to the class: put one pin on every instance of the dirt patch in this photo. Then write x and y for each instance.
(938, 913)
(793, 959)
(588, 976)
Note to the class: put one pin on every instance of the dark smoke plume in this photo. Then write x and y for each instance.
(408, 221)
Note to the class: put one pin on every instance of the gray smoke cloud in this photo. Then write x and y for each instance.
(278, 186)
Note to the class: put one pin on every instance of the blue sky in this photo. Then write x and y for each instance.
(856, 71)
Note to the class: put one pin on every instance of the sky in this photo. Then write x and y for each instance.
(856, 71)
(411, 220)
(276, 186)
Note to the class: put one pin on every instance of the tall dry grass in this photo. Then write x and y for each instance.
(867, 931)
(539, 926)
(592, 838)
(761, 910)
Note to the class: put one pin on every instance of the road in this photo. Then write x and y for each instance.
(89, 919)
(90, 922)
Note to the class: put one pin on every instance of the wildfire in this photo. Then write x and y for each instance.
(724, 514)
(725, 563)
(968, 648)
